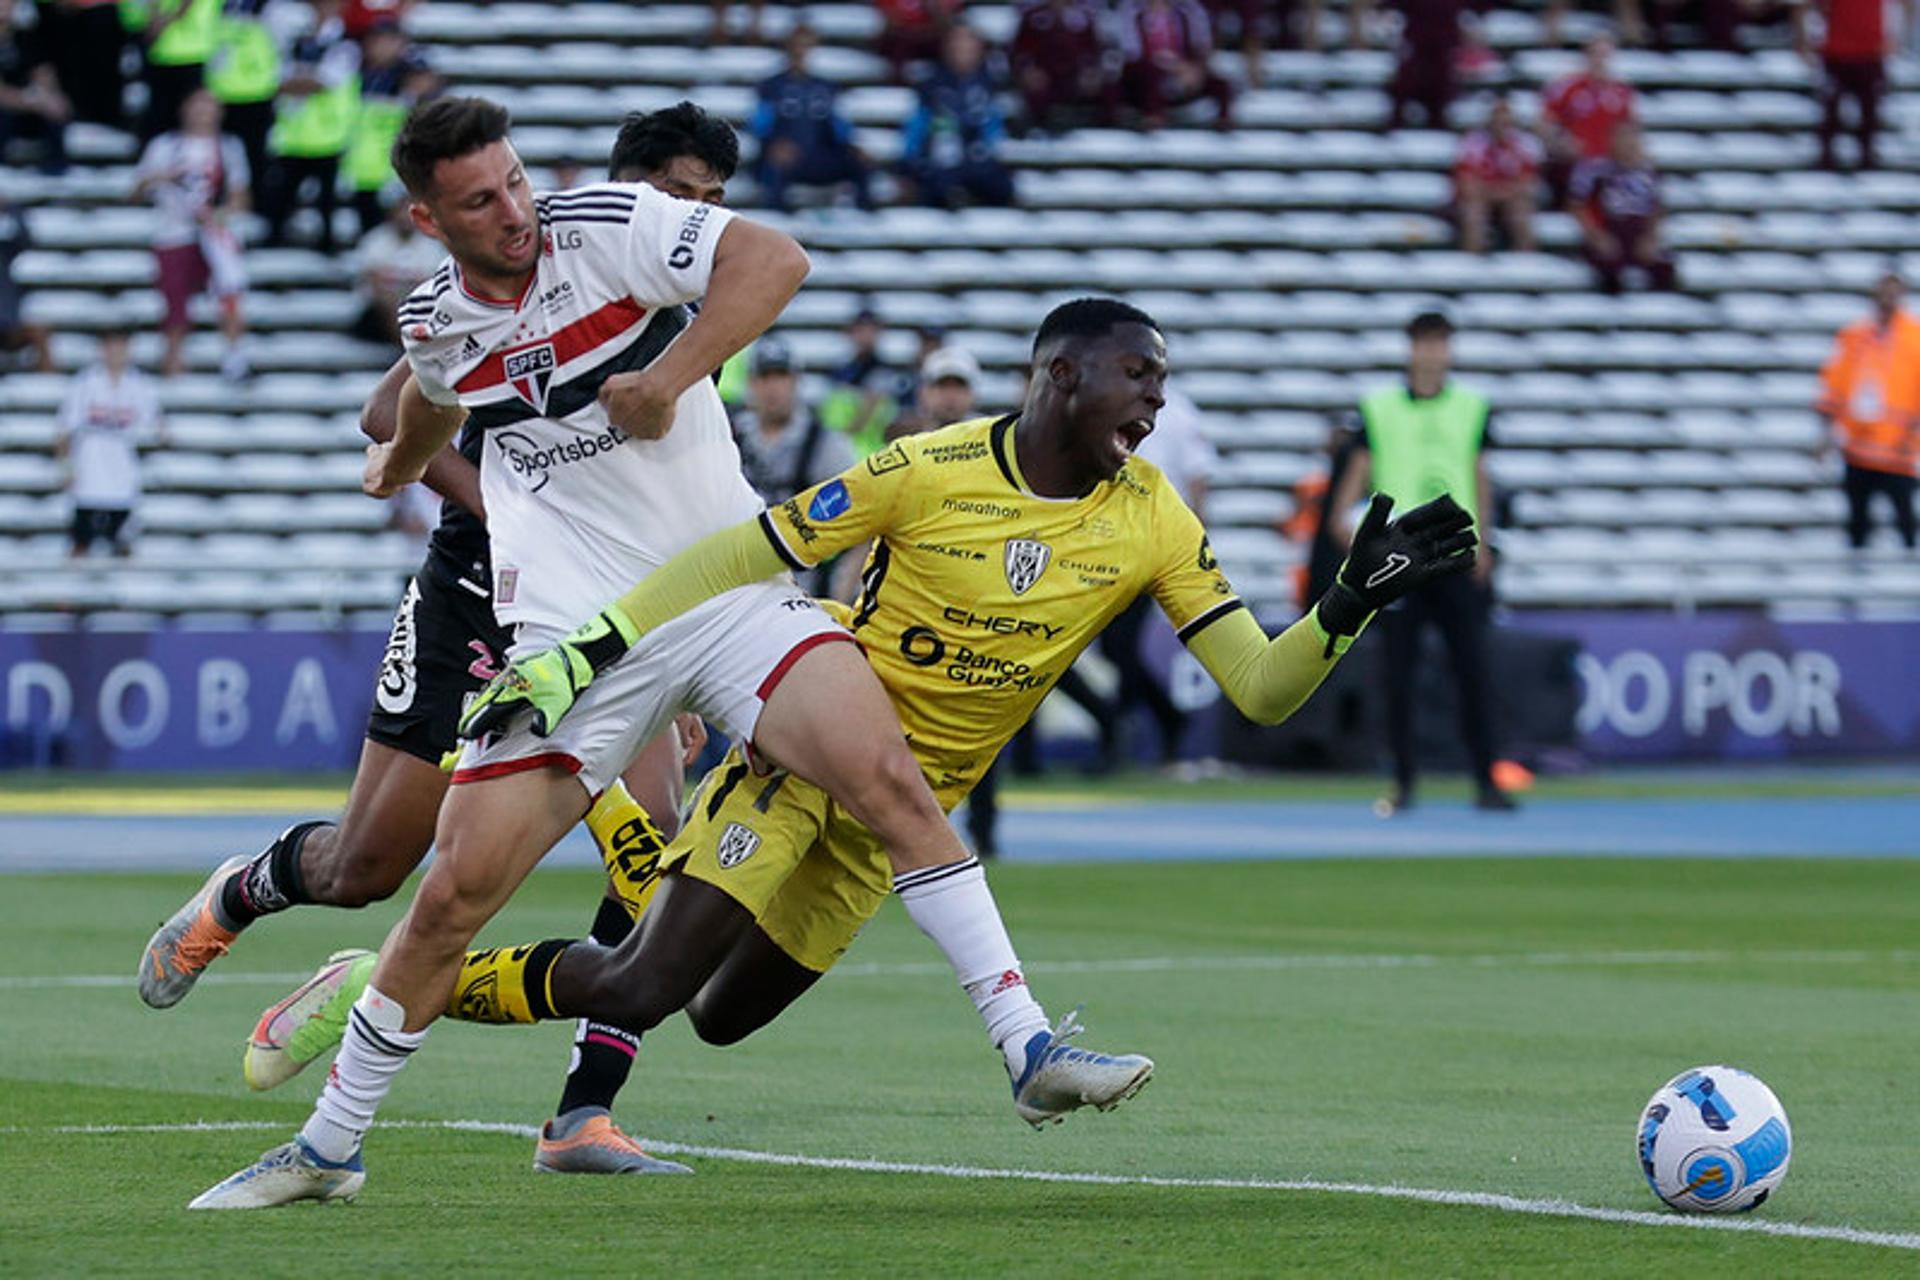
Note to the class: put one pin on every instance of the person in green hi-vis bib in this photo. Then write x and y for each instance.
(244, 74)
(393, 76)
(1418, 439)
(318, 107)
(867, 394)
(177, 37)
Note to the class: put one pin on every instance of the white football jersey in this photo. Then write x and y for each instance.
(577, 511)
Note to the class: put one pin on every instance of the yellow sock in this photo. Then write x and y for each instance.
(630, 846)
(506, 984)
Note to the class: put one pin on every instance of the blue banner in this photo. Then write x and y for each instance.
(1726, 686)
(1716, 686)
(1740, 686)
(187, 700)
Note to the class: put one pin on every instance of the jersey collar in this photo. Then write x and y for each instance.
(511, 304)
(1008, 458)
(1001, 437)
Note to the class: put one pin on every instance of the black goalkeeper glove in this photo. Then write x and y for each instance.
(1388, 560)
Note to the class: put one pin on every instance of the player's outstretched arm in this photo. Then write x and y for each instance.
(807, 529)
(1268, 680)
(548, 682)
(449, 475)
(421, 430)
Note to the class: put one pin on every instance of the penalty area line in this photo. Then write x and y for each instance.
(1496, 1201)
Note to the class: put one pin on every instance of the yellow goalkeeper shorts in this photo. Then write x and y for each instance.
(811, 875)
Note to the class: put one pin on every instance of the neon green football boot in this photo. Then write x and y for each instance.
(310, 1021)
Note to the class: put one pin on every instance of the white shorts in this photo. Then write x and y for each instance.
(720, 660)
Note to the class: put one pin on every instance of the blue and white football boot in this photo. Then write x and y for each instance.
(1058, 1078)
(293, 1171)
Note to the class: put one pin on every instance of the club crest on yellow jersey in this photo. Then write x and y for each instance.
(1026, 560)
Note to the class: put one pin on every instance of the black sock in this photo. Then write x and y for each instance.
(602, 1055)
(272, 881)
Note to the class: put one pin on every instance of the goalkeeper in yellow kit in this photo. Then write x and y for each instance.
(1000, 550)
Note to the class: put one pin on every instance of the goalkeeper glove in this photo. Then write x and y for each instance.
(1388, 560)
(548, 682)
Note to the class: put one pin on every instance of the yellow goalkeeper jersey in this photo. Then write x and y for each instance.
(978, 593)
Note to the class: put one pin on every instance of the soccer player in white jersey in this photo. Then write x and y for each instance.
(558, 326)
(444, 646)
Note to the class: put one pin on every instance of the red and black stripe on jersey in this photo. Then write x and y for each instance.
(567, 398)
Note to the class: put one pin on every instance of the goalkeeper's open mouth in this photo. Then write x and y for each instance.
(1128, 435)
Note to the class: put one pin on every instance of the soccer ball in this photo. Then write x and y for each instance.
(1714, 1140)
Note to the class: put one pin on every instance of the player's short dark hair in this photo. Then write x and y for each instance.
(1430, 324)
(649, 140)
(1088, 318)
(444, 129)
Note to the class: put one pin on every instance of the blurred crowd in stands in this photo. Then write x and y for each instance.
(285, 109)
(243, 106)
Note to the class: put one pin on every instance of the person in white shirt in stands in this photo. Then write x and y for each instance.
(1179, 447)
(197, 179)
(109, 412)
(390, 262)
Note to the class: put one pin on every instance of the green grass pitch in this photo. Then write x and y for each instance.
(1475, 1026)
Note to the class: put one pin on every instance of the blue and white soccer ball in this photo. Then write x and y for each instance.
(1714, 1140)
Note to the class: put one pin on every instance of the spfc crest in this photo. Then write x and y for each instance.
(1026, 561)
(529, 371)
(737, 844)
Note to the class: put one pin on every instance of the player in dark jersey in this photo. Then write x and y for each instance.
(444, 646)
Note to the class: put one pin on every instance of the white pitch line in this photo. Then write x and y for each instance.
(36, 982)
(1177, 964)
(1424, 1195)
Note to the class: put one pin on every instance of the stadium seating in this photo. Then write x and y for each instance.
(1659, 448)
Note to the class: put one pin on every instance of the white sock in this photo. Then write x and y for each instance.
(953, 906)
(371, 1055)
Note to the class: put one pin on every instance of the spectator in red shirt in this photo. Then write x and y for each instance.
(1617, 200)
(1580, 114)
(1853, 56)
(1060, 63)
(1167, 44)
(1497, 168)
(912, 31)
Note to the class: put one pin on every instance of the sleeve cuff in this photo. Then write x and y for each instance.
(1331, 646)
(1207, 619)
(779, 544)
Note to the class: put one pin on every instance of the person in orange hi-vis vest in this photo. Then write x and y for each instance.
(1870, 392)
